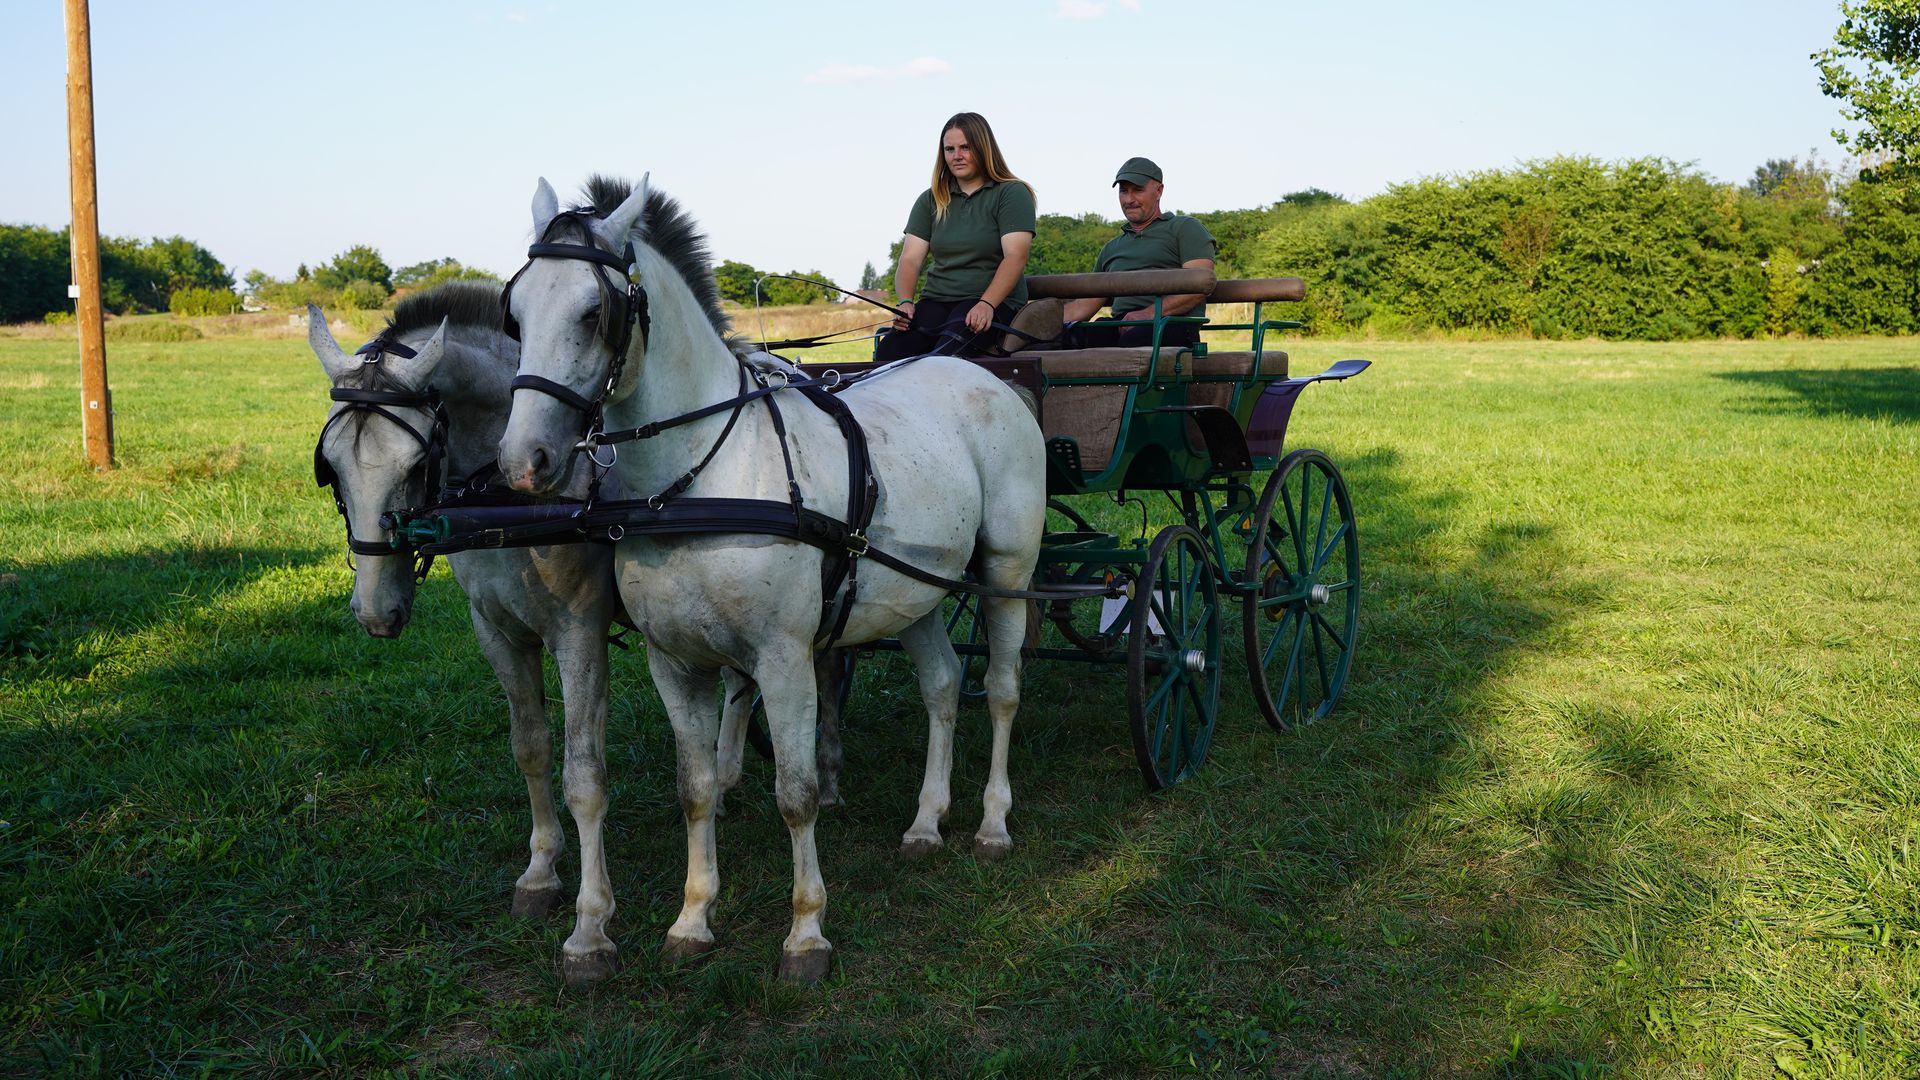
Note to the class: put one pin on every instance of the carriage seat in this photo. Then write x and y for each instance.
(1093, 414)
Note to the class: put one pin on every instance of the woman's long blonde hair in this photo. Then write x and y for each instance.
(985, 149)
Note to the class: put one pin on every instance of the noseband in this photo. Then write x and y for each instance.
(633, 298)
(433, 445)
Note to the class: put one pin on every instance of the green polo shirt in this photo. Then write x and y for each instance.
(965, 245)
(1167, 243)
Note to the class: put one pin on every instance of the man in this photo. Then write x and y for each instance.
(1151, 240)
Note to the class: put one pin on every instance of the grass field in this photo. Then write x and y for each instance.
(1627, 781)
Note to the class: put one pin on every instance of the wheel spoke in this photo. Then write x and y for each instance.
(1326, 507)
(1293, 532)
(1320, 559)
(1279, 635)
(1320, 661)
(1161, 692)
(1339, 637)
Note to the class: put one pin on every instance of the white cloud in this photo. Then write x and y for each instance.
(1079, 9)
(841, 74)
(1130, 5)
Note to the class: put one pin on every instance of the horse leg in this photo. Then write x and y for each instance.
(537, 892)
(735, 711)
(792, 698)
(829, 671)
(1006, 630)
(688, 697)
(939, 670)
(589, 955)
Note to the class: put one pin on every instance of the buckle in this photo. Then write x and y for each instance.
(857, 544)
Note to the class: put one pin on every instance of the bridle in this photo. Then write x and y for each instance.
(633, 300)
(618, 333)
(433, 446)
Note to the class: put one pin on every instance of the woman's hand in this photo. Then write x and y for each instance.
(902, 322)
(979, 316)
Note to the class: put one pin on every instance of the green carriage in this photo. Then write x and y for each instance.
(1267, 532)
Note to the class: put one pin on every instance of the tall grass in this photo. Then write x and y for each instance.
(1627, 780)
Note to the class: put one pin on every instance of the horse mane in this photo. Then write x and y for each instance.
(671, 231)
(461, 303)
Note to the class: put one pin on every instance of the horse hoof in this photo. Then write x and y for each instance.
(680, 950)
(807, 967)
(591, 969)
(915, 848)
(991, 850)
(829, 797)
(535, 903)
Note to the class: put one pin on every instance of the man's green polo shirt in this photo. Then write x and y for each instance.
(965, 245)
(1167, 243)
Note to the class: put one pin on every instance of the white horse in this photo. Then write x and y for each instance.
(960, 464)
(561, 598)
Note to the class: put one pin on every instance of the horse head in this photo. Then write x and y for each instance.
(379, 451)
(582, 328)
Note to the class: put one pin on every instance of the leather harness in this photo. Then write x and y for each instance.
(477, 516)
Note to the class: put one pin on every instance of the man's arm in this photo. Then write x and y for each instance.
(1179, 303)
(1082, 310)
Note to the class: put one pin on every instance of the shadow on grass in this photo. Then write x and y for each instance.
(1866, 393)
(322, 832)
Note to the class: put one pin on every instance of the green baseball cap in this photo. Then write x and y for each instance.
(1138, 171)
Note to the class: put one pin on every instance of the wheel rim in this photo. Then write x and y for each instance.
(1302, 619)
(1173, 669)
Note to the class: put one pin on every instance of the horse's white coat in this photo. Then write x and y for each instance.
(562, 598)
(960, 462)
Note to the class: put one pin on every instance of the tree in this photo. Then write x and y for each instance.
(425, 275)
(735, 280)
(1873, 66)
(357, 263)
(33, 272)
(1790, 179)
(870, 278)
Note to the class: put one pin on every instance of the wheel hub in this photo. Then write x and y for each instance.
(1194, 661)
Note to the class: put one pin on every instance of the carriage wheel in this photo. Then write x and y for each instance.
(1173, 657)
(1071, 516)
(1301, 618)
(962, 612)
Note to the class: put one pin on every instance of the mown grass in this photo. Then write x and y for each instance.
(1627, 781)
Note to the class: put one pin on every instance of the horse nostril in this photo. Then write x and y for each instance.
(537, 463)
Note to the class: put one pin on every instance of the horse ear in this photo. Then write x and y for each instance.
(320, 339)
(622, 221)
(427, 357)
(546, 206)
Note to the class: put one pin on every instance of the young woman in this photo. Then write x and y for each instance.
(976, 221)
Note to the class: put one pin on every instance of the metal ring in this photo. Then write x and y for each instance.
(613, 454)
(655, 502)
(831, 378)
(616, 532)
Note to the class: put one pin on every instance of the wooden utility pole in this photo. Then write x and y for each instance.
(96, 402)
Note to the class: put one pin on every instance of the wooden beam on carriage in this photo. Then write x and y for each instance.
(96, 401)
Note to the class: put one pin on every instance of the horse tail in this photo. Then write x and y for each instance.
(1026, 398)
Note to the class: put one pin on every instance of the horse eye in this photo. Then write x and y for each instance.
(592, 315)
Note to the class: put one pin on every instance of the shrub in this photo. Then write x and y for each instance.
(58, 318)
(152, 330)
(198, 301)
(362, 295)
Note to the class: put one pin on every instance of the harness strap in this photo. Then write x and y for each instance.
(552, 389)
(467, 528)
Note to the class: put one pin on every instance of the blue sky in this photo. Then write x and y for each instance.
(799, 134)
